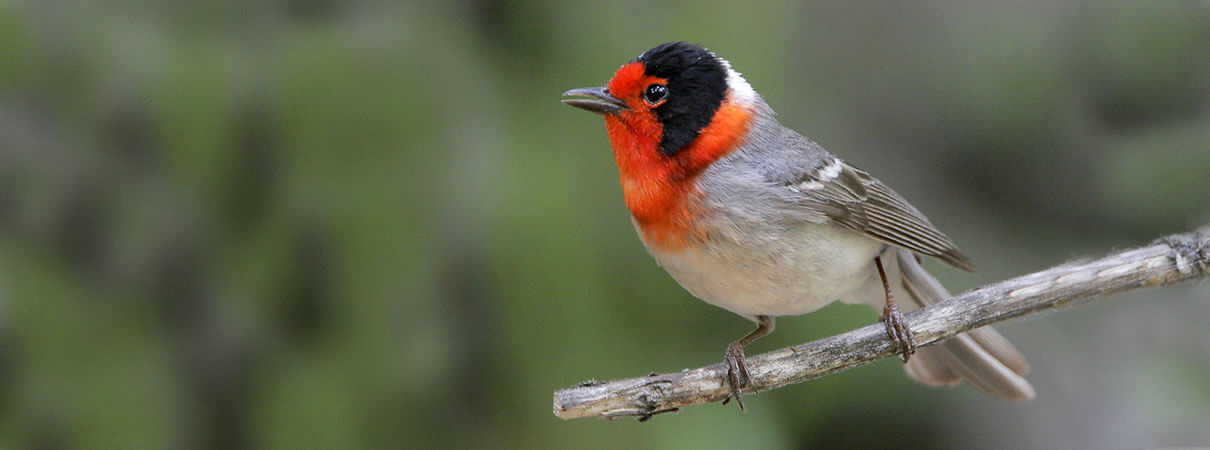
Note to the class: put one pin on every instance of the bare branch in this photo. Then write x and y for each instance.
(1168, 261)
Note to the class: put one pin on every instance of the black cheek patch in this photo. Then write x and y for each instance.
(697, 85)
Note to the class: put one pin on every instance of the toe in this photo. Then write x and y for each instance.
(737, 374)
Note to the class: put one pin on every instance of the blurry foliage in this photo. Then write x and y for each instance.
(316, 223)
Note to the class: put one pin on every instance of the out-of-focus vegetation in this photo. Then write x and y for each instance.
(310, 223)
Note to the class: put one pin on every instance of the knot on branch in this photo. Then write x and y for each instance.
(1190, 252)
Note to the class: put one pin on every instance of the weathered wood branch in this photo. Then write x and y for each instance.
(1167, 261)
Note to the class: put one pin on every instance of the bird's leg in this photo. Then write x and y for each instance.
(896, 325)
(737, 368)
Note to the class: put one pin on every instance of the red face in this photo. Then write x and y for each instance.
(642, 92)
(636, 132)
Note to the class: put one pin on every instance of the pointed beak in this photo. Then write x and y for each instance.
(600, 101)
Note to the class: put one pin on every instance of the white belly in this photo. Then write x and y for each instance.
(789, 273)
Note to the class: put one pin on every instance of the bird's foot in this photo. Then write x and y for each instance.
(897, 328)
(737, 373)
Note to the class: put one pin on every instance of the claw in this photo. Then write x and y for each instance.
(898, 330)
(737, 369)
(896, 324)
(737, 373)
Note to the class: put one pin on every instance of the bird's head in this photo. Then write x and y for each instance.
(670, 96)
(670, 113)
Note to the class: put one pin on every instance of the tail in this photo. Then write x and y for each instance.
(981, 356)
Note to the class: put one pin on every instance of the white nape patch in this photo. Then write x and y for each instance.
(822, 175)
(741, 93)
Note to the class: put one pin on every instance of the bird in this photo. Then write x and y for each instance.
(750, 216)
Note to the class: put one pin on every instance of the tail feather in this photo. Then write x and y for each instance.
(982, 357)
(931, 367)
(999, 347)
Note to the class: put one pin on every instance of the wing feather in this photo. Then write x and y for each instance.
(858, 201)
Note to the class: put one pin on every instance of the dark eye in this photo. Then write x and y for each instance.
(655, 93)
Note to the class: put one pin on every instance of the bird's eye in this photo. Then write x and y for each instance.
(655, 93)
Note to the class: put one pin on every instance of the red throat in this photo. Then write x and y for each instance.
(660, 190)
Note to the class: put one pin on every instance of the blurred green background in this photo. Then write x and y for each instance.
(290, 223)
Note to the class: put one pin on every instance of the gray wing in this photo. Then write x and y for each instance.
(855, 200)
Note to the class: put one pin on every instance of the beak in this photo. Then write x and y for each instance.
(601, 102)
